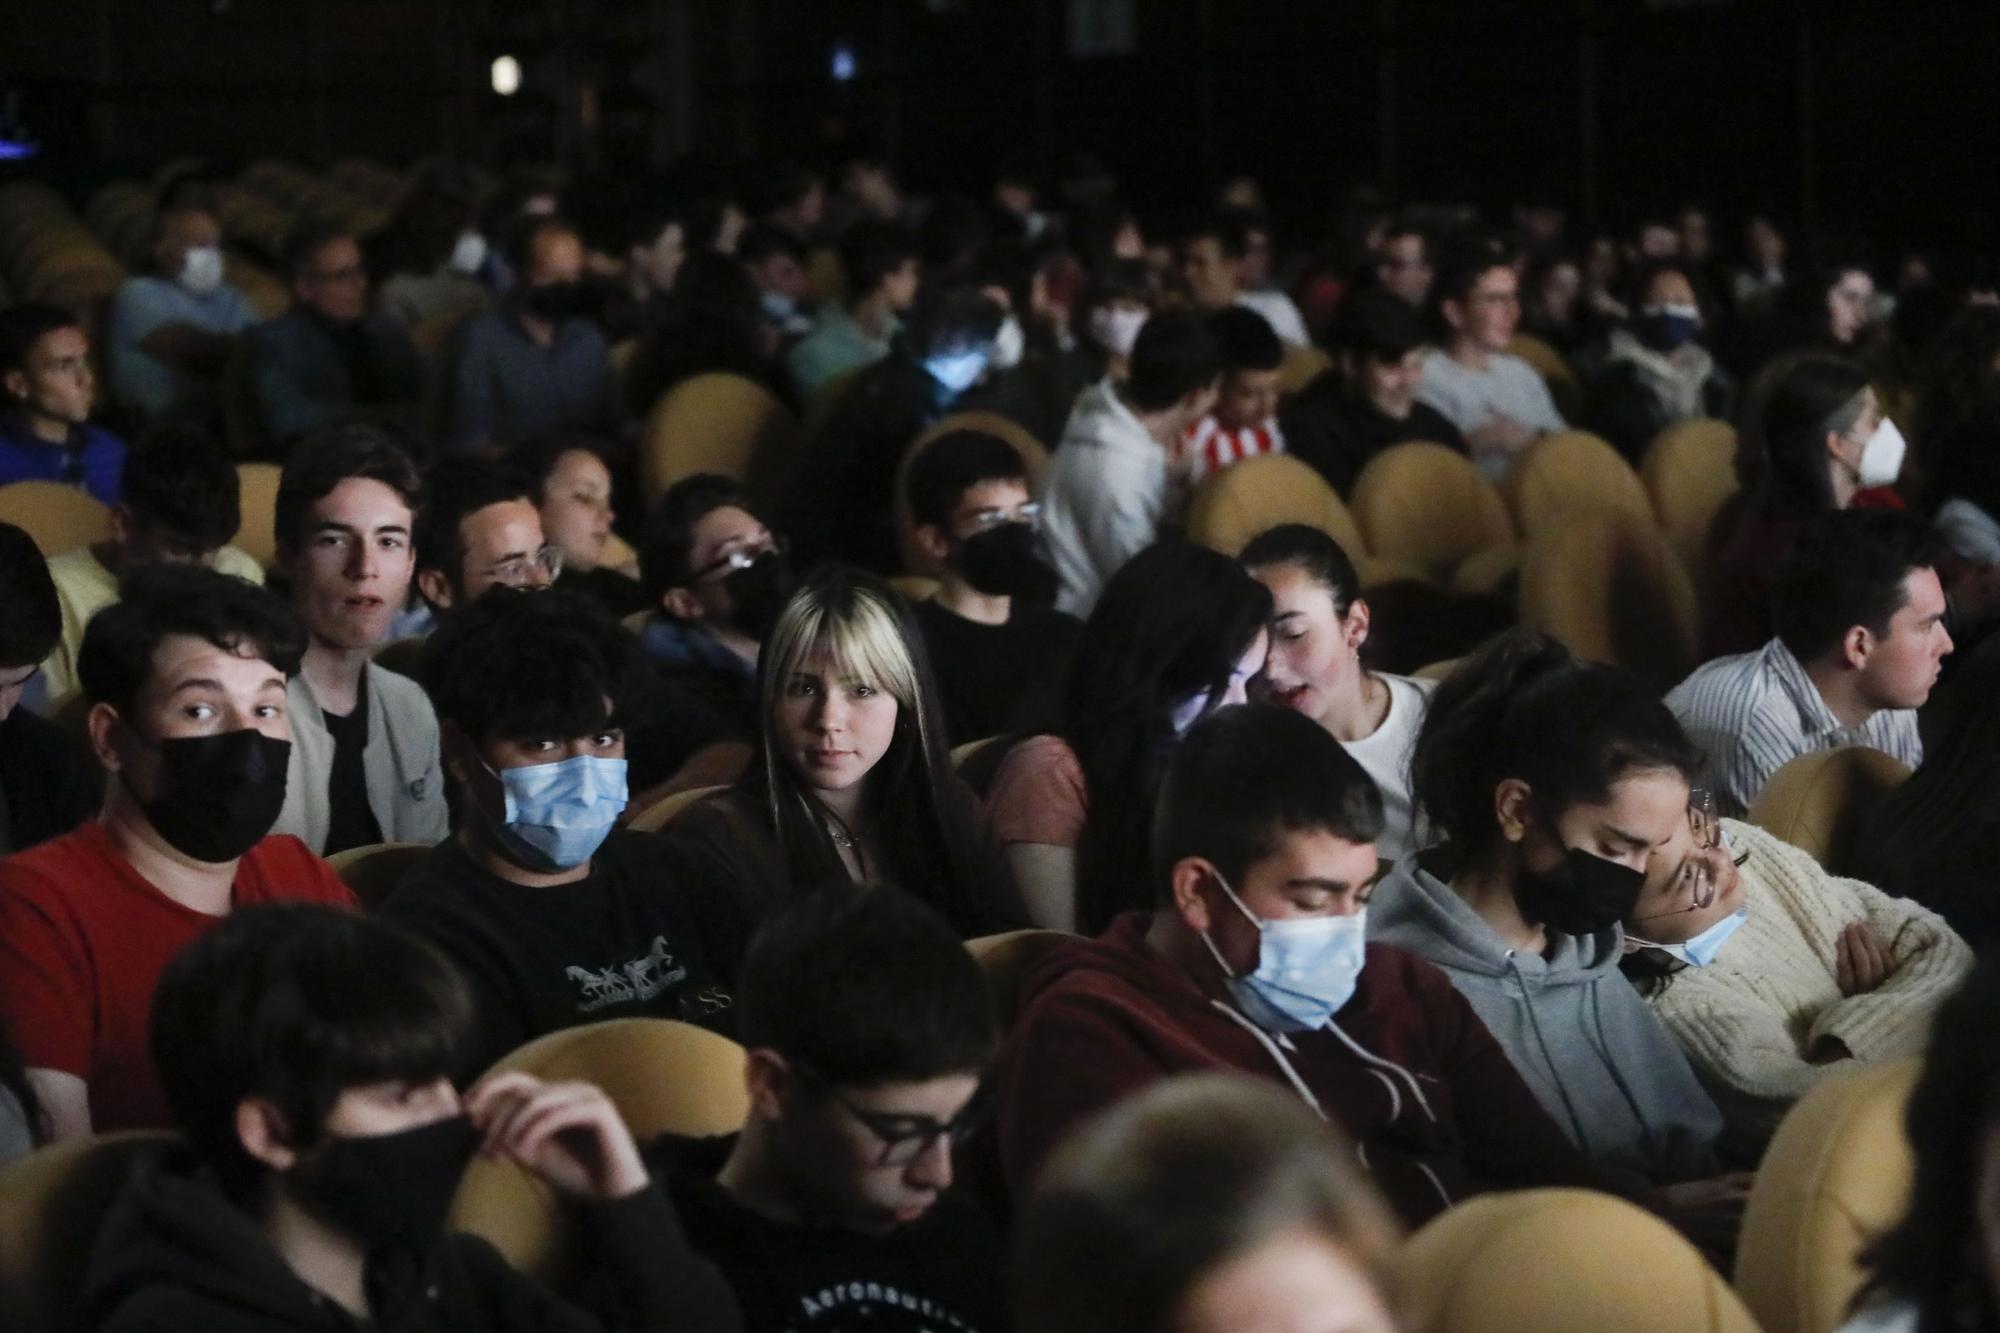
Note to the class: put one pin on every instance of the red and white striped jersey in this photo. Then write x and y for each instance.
(1209, 448)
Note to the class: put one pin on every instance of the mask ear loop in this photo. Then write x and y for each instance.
(1251, 917)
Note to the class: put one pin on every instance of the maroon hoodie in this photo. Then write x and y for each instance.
(1435, 1108)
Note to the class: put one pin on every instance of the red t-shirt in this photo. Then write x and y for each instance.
(83, 939)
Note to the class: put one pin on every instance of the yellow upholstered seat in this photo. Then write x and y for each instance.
(1429, 505)
(1555, 370)
(1234, 505)
(1690, 472)
(1301, 366)
(718, 423)
(1572, 470)
(258, 488)
(59, 518)
(51, 1203)
(1007, 960)
(1612, 591)
(1819, 802)
(374, 871)
(661, 812)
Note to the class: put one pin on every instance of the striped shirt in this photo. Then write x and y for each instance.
(1751, 713)
(1209, 448)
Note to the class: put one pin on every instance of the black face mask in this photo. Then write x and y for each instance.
(1004, 561)
(1581, 896)
(388, 1191)
(758, 593)
(557, 301)
(218, 795)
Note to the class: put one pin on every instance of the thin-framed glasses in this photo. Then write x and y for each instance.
(905, 1138)
(1696, 885)
(520, 571)
(743, 557)
(987, 519)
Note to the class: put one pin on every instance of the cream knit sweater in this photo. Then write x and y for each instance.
(1749, 1020)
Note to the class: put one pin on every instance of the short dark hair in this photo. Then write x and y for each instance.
(953, 464)
(298, 1003)
(154, 601)
(950, 316)
(1846, 568)
(919, 1009)
(305, 240)
(760, 241)
(455, 489)
(322, 460)
(871, 251)
(1379, 325)
(527, 664)
(1226, 227)
(1173, 356)
(30, 615)
(178, 479)
(1245, 776)
(1245, 339)
(1468, 260)
(669, 540)
(1319, 555)
(24, 325)
(535, 459)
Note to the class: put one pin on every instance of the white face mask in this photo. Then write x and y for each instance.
(1008, 344)
(468, 253)
(201, 270)
(1882, 456)
(1117, 328)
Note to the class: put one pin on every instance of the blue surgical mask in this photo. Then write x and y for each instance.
(559, 814)
(1702, 949)
(958, 371)
(778, 307)
(1307, 968)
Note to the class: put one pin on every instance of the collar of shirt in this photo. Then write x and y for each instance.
(1789, 674)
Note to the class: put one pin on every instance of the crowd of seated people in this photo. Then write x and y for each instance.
(1103, 936)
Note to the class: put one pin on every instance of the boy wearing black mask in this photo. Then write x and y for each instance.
(997, 645)
(305, 1054)
(185, 677)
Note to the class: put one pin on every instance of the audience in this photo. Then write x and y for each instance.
(1368, 400)
(998, 649)
(554, 915)
(1860, 641)
(49, 783)
(307, 1056)
(834, 1206)
(1496, 400)
(573, 491)
(185, 678)
(364, 764)
(776, 261)
(479, 526)
(329, 359)
(536, 364)
(179, 504)
(1120, 470)
(1552, 784)
(1212, 259)
(1657, 373)
(45, 430)
(1253, 960)
(1319, 624)
(171, 330)
(434, 253)
(1210, 1203)
(1244, 421)
(852, 784)
(1179, 632)
(879, 259)
(1773, 975)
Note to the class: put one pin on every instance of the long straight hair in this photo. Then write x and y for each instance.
(928, 831)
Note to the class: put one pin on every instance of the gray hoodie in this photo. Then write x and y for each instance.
(1595, 1055)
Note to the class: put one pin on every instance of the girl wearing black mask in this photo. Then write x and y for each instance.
(1553, 783)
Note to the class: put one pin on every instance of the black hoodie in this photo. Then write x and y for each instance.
(175, 1255)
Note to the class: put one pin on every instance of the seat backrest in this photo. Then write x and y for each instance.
(1429, 505)
(718, 422)
(1690, 472)
(662, 812)
(1820, 802)
(1555, 370)
(1837, 1174)
(374, 871)
(1034, 456)
(1571, 470)
(1235, 504)
(1008, 960)
(51, 1203)
(1611, 591)
(1300, 367)
(59, 518)
(258, 488)
(664, 1077)
(1574, 1260)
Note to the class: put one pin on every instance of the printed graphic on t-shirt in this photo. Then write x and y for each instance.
(628, 983)
(879, 1303)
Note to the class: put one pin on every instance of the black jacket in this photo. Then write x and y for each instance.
(175, 1255)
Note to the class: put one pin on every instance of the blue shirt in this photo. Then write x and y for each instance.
(506, 387)
(140, 379)
(94, 458)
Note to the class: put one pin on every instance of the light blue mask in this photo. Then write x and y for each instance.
(958, 371)
(1702, 949)
(1307, 968)
(559, 814)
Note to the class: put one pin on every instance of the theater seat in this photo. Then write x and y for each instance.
(1301, 366)
(1429, 505)
(257, 485)
(1033, 456)
(59, 518)
(717, 423)
(661, 812)
(51, 1203)
(1573, 1260)
(1234, 505)
(1838, 1173)
(1573, 470)
(374, 871)
(1690, 472)
(665, 1078)
(1555, 371)
(1611, 591)
(1820, 802)
(1008, 960)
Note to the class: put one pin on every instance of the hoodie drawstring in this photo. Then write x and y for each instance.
(1604, 1051)
(1379, 1063)
(1277, 1054)
(1548, 1057)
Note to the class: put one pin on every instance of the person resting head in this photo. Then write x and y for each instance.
(1211, 1203)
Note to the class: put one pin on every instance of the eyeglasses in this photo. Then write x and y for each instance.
(521, 570)
(1697, 877)
(905, 1138)
(985, 520)
(743, 557)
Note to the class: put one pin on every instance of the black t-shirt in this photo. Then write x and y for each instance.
(944, 1271)
(350, 821)
(1337, 430)
(654, 931)
(990, 676)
